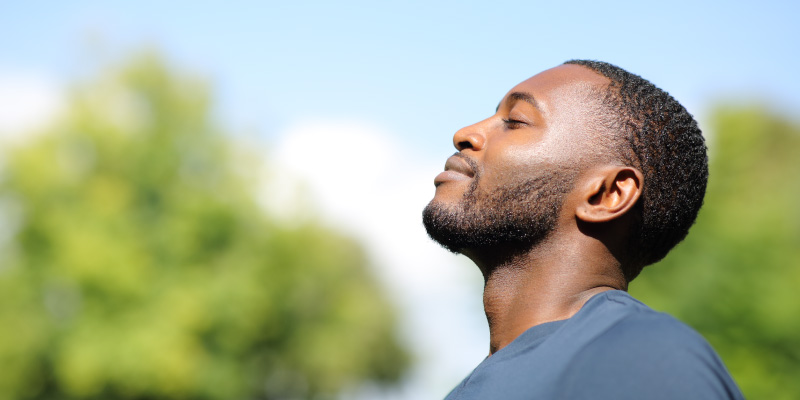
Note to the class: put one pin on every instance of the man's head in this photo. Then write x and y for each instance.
(586, 142)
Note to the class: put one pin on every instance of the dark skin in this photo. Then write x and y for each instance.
(546, 122)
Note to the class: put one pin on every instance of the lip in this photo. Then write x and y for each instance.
(455, 169)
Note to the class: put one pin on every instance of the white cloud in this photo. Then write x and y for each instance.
(28, 101)
(366, 182)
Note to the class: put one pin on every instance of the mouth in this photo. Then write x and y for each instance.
(457, 168)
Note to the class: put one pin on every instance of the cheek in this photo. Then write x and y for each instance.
(516, 161)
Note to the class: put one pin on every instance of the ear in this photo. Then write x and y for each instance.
(608, 193)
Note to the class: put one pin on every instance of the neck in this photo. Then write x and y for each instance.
(549, 283)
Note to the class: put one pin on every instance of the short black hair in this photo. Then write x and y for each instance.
(656, 135)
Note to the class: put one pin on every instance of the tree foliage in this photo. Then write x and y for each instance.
(138, 265)
(735, 277)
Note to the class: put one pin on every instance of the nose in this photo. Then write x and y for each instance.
(470, 137)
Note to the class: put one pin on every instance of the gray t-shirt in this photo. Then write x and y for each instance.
(615, 347)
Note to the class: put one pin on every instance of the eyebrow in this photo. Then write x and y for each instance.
(516, 96)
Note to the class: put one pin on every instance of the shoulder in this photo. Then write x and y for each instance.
(646, 354)
(642, 330)
(614, 320)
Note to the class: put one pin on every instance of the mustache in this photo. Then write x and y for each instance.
(472, 163)
(476, 176)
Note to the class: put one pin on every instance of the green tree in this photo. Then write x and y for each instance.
(140, 267)
(735, 277)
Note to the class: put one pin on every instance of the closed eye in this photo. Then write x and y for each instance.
(513, 123)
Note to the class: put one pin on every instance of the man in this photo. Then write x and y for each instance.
(585, 174)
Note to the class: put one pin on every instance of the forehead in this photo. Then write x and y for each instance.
(561, 86)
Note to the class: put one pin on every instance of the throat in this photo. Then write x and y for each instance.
(516, 299)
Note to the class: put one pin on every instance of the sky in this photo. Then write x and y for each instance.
(359, 100)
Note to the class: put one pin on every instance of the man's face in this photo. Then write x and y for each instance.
(513, 171)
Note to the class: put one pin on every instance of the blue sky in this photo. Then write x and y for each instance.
(421, 70)
(360, 100)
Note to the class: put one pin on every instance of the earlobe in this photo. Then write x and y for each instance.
(609, 194)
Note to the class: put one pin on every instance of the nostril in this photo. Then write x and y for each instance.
(469, 138)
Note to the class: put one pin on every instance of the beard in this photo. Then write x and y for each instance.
(517, 216)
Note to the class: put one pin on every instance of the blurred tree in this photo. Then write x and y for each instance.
(140, 266)
(736, 277)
